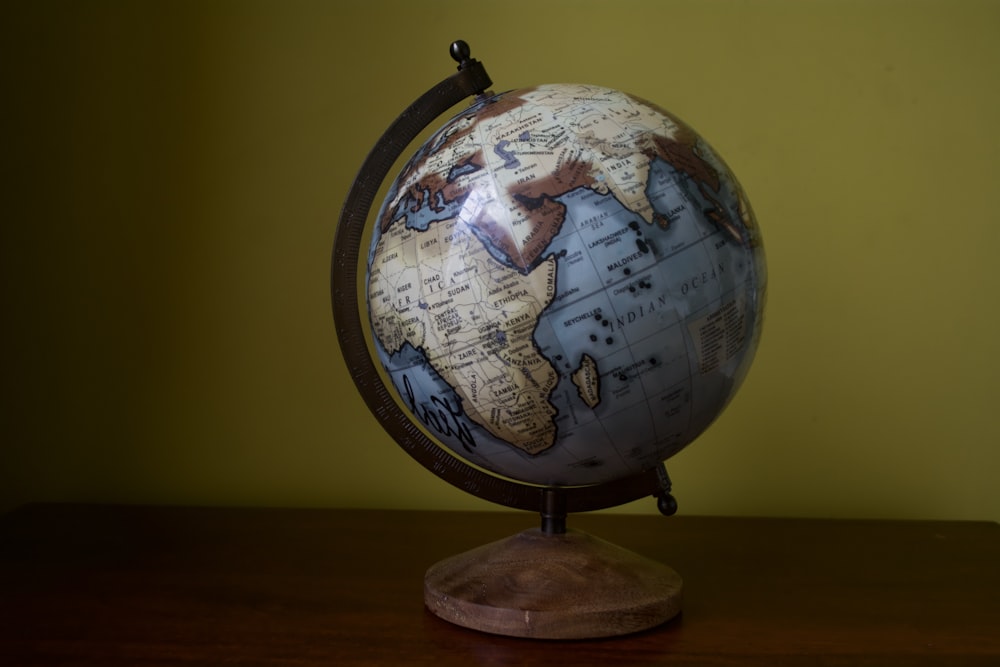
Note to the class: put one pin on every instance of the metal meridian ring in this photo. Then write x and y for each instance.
(471, 79)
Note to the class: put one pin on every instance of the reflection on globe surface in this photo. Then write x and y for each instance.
(565, 285)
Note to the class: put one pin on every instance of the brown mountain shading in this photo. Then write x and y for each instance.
(681, 154)
(431, 188)
(432, 184)
(543, 215)
(536, 217)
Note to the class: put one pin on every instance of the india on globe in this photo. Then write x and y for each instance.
(565, 285)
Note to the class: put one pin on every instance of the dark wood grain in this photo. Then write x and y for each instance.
(106, 585)
(545, 585)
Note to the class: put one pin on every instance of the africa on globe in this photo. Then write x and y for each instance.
(565, 285)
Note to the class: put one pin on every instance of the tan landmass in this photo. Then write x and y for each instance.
(588, 381)
(474, 322)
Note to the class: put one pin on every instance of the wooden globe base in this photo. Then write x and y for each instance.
(552, 586)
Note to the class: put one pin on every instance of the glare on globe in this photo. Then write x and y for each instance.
(565, 285)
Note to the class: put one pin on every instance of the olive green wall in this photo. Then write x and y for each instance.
(173, 172)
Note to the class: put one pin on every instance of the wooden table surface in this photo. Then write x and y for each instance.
(122, 585)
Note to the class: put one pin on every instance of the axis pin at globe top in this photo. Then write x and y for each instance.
(461, 53)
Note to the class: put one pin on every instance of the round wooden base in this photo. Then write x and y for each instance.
(564, 586)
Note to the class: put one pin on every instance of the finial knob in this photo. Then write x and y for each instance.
(461, 53)
(667, 504)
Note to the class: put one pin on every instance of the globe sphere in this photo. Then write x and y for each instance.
(565, 285)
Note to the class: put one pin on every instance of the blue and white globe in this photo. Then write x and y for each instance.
(565, 285)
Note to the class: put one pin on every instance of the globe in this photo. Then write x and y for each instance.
(565, 285)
